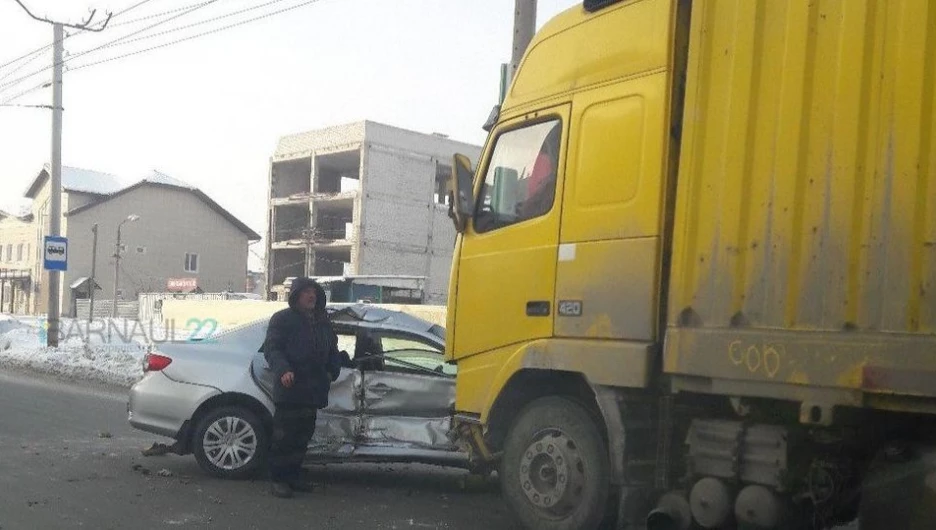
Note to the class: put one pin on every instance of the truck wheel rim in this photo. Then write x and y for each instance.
(230, 443)
(552, 473)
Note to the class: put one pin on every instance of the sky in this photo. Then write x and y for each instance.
(209, 110)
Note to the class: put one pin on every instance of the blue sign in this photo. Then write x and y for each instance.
(55, 252)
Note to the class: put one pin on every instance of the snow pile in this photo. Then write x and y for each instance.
(8, 324)
(114, 358)
(108, 350)
(118, 365)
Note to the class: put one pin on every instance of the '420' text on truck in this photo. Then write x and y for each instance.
(695, 279)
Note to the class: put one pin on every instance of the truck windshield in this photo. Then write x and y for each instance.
(520, 183)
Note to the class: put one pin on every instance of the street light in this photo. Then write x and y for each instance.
(130, 219)
(94, 230)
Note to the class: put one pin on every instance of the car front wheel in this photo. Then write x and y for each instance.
(230, 443)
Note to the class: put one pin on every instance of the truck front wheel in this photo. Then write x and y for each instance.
(554, 469)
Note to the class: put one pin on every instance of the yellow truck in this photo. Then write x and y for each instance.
(695, 279)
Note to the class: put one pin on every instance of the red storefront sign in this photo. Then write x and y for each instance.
(182, 284)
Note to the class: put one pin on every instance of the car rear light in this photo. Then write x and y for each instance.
(154, 362)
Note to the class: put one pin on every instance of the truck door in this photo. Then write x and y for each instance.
(507, 271)
(612, 212)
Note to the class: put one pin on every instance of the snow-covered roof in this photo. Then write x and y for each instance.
(87, 181)
(99, 183)
(157, 177)
(107, 187)
(161, 179)
(17, 208)
(80, 180)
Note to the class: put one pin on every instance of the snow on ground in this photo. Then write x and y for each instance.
(109, 351)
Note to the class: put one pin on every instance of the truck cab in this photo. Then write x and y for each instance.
(695, 273)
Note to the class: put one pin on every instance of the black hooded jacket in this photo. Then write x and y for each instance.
(305, 345)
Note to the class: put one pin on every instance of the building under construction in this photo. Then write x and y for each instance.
(361, 199)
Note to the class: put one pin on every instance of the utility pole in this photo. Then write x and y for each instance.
(93, 279)
(524, 29)
(308, 236)
(55, 176)
(129, 219)
(116, 274)
(55, 222)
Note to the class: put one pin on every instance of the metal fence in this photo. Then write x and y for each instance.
(105, 308)
(150, 304)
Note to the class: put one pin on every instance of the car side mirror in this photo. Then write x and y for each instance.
(461, 203)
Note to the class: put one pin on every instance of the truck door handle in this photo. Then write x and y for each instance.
(537, 308)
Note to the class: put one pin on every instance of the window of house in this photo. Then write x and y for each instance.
(1, 252)
(520, 183)
(191, 262)
(9, 252)
(19, 252)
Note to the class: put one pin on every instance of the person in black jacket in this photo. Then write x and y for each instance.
(301, 348)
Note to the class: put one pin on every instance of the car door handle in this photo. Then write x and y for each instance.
(537, 308)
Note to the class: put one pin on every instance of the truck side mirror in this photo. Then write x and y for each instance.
(461, 203)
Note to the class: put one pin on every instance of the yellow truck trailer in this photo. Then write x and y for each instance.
(695, 279)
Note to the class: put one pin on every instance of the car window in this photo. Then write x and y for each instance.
(253, 334)
(409, 354)
(250, 335)
(346, 342)
(391, 343)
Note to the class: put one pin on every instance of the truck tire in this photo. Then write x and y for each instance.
(554, 470)
(230, 443)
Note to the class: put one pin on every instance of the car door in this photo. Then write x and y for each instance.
(337, 425)
(408, 401)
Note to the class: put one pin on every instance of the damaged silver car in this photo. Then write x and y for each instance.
(395, 403)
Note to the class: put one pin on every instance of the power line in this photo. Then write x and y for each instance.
(199, 23)
(37, 54)
(80, 54)
(137, 32)
(210, 32)
(86, 25)
(27, 54)
(131, 8)
(47, 46)
(122, 40)
(44, 84)
(156, 15)
(25, 106)
(145, 50)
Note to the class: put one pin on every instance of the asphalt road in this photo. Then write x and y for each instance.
(68, 459)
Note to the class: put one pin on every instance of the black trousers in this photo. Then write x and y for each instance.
(293, 427)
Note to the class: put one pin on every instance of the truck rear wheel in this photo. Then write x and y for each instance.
(554, 471)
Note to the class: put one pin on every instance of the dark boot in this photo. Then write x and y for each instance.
(281, 490)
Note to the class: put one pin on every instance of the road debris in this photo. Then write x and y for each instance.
(157, 449)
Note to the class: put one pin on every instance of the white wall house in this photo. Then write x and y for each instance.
(362, 199)
(181, 233)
